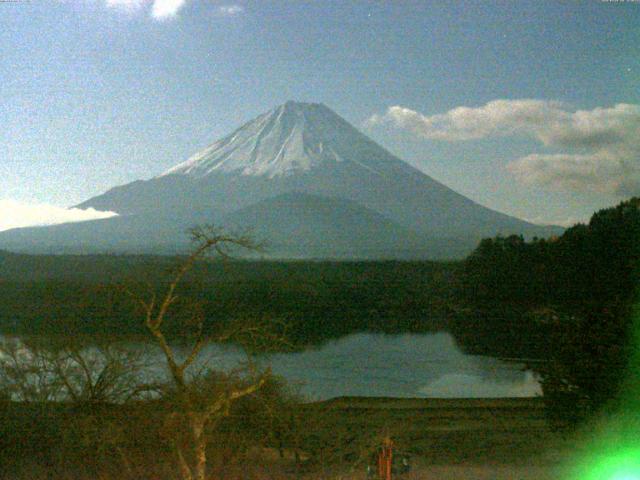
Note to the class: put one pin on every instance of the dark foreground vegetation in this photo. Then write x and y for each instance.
(573, 295)
(137, 439)
(563, 303)
(268, 436)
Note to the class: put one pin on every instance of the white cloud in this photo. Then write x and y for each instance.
(14, 214)
(165, 9)
(599, 149)
(229, 10)
(160, 9)
(603, 171)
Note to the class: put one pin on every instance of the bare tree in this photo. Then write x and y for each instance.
(69, 371)
(199, 402)
(27, 372)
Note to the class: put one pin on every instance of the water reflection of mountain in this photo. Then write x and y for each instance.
(404, 365)
(376, 365)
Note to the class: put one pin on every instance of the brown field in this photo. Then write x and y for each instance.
(447, 438)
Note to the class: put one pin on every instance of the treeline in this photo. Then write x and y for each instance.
(318, 300)
(588, 267)
(573, 294)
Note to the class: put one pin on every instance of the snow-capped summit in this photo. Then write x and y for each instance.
(293, 137)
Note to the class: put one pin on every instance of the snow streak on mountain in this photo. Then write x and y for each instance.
(292, 138)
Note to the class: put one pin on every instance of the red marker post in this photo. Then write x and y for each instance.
(385, 459)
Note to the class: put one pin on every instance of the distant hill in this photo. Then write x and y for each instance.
(324, 227)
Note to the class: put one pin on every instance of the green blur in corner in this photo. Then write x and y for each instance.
(614, 452)
(620, 465)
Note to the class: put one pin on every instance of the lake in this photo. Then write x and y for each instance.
(401, 365)
(372, 364)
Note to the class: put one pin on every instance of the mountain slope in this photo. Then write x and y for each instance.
(309, 148)
(300, 148)
(159, 232)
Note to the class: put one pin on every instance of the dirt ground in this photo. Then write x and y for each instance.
(441, 472)
(483, 472)
(477, 472)
(456, 439)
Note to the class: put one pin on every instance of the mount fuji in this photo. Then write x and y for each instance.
(303, 179)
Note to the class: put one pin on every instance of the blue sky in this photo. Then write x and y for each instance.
(97, 93)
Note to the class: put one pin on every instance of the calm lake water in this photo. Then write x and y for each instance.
(375, 365)
(408, 365)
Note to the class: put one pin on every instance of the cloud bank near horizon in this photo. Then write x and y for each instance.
(14, 214)
(595, 150)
